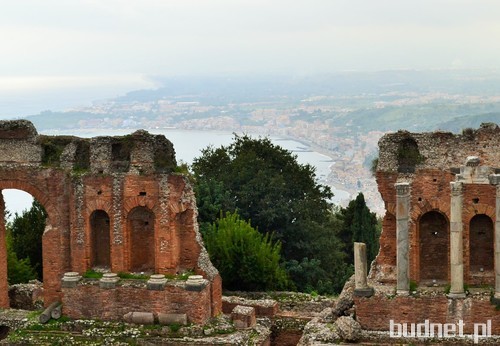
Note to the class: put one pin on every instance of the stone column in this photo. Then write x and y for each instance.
(4, 286)
(403, 245)
(456, 242)
(495, 180)
(360, 271)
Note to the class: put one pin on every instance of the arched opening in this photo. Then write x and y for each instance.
(408, 155)
(434, 241)
(101, 254)
(481, 238)
(140, 224)
(25, 220)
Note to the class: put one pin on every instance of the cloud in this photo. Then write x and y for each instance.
(217, 36)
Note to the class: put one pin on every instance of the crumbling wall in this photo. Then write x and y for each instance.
(73, 178)
(436, 159)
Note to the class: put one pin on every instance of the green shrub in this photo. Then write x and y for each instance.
(246, 259)
(18, 270)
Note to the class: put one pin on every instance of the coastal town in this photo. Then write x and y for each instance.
(346, 128)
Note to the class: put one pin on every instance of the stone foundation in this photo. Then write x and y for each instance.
(375, 313)
(87, 300)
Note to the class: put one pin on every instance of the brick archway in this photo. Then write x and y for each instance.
(434, 243)
(55, 252)
(481, 244)
(141, 223)
(100, 239)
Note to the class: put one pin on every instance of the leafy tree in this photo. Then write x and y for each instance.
(359, 225)
(27, 230)
(18, 271)
(264, 183)
(245, 258)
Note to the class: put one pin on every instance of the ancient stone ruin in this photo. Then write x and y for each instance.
(441, 230)
(113, 203)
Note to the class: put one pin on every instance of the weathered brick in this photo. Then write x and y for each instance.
(113, 202)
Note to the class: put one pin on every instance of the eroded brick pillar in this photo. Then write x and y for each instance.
(402, 218)
(456, 241)
(4, 286)
(495, 179)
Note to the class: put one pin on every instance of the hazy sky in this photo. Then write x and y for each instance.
(100, 42)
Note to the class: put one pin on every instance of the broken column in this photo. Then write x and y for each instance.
(360, 271)
(456, 241)
(495, 180)
(402, 218)
(109, 280)
(70, 280)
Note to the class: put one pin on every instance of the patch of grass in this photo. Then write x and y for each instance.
(181, 276)
(92, 274)
(413, 286)
(131, 276)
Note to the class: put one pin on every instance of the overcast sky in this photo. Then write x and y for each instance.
(92, 42)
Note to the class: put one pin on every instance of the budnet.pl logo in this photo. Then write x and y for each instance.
(438, 330)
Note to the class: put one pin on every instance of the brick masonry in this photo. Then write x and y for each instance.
(129, 183)
(437, 159)
(375, 313)
(88, 300)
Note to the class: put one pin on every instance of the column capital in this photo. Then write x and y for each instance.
(494, 179)
(457, 188)
(402, 189)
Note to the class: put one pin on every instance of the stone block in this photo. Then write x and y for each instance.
(139, 317)
(196, 283)
(243, 317)
(165, 319)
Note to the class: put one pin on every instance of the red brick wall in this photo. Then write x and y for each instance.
(90, 301)
(429, 255)
(140, 224)
(374, 313)
(434, 246)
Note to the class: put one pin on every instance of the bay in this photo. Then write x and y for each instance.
(188, 144)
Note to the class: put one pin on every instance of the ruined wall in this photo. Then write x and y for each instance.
(375, 313)
(88, 300)
(429, 162)
(129, 182)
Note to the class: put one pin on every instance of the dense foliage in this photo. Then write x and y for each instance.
(359, 225)
(26, 232)
(246, 259)
(264, 183)
(18, 270)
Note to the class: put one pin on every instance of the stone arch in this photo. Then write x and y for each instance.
(434, 243)
(39, 195)
(481, 240)
(100, 239)
(53, 262)
(130, 203)
(408, 155)
(141, 235)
